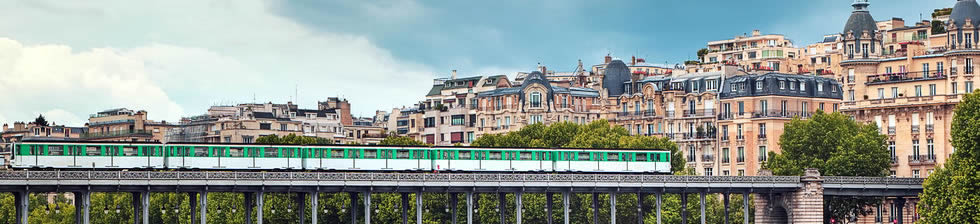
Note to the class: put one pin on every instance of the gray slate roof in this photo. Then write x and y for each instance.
(965, 9)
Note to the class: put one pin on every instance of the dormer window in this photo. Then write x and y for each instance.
(535, 99)
(782, 84)
(802, 86)
(758, 85)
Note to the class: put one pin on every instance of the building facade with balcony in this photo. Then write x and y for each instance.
(772, 52)
(122, 124)
(910, 93)
(535, 100)
(450, 109)
(755, 108)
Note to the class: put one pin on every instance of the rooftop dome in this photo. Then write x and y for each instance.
(860, 20)
(965, 9)
(615, 76)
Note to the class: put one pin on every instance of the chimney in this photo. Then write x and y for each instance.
(454, 74)
(608, 59)
(544, 70)
(756, 33)
(4, 127)
(633, 60)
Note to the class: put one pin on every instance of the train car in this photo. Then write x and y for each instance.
(212, 156)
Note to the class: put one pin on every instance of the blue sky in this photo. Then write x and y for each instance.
(69, 59)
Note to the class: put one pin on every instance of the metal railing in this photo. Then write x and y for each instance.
(922, 159)
(905, 77)
(872, 180)
(395, 177)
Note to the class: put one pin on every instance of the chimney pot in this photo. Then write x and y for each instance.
(608, 59)
(756, 33)
(454, 74)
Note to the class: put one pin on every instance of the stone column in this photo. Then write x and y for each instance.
(137, 212)
(418, 207)
(22, 211)
(501, 203)
(469, 207)
(519, 207)
(453, 201)
(900, 205)
(83, 204)
(565, 205)
(806, 204)
(353, 207)
(145, 204)
(745, 207)
(301, 206)
(549, 197)
(204, 207)
(404, 208)
(367, 207)
(193, 204)
(659, 203)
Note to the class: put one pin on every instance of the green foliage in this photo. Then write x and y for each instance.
(40, 120)
(938, 27)
(393, 140)
(837, 146)
(701, 53)
(952, 192)
(291, 139)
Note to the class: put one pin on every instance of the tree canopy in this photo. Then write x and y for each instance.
(40, 120)
(837, 146)
(598, 134)
(291, 139)
(951, 194)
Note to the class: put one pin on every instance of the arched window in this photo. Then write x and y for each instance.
(535, 99)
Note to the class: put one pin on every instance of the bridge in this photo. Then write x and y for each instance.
(801, 197)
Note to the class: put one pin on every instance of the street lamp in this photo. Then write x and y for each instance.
(47, 209)
(57, 208)
(118, 209)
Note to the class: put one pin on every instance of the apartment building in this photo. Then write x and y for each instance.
(910, 93)
(123, 124)
(772, 52)
(822, 58)
(450, 108)
(33, 131)
(754, 110)
(535, 100)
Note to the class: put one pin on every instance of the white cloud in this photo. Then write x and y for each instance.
(176, 58)
(53, 80)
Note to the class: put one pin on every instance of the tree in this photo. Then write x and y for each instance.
(837, 146)
(701, 53)
(938, 27)
(40, 120)
(952, 193)
(393, 140)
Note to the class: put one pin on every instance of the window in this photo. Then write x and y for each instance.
(739, 134)
(457, 120)
(918, 90)
(762, 130)
(535, 99)
(282, 127)
(930, 149)
(894, 92)
(758, 85)
(881, 93)
(265, 126)
(782, 84)
(850, 75)
(915, 173)
(741, 108)
(741, 155)
(764, 106)
(915, 148)
(535, 119)
(741, 172)
(925, 70)
(969, 65)
(954, 88)
(708, 171)
(939, 67)
(968, 87)
(850, 95)
(724, 155)
(762, 153)
(891, 149)
(802, 86)
(891, 124)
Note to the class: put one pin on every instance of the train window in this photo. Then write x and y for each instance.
(92, 151)
(337, 153)
(56, 150)
(447, 154)
(568, 156)
(641, 157)
(525, 155)
(495, 155)
(402, 154)
(464, 154)
(584, 156)
(271, 152)
(130, 151)
(200, 151)
(370, 153)
(612, 156)
(236, 152)
(220, 151)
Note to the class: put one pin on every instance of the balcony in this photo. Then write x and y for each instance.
(904, 77)
(725, 159)
(922, 160)
(781, 114)
(690, 158)
(724, 138)
(707, 158)
(968, 70)
(891, 130)
(953, 72)
(112, 134)
(929, 128)
(740, 137)
(670, 114)
(699, 113)
(894, 160)
(915, 129)
(762, 136)
(699, 135)
(740, 159)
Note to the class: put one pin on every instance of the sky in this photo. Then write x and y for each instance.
(176, 58)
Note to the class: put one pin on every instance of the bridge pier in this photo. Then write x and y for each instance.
(367, 207)
(353, 207)
(469, 208)
(702, 207)
(259, 204)
(193, 205)
(22, 201)
(453, 201)
(612, 207)
(804, 205)
(639, 207)
(144, 198)
(900, 205)
(519, 207)
(745, 207)
(659, 204)
(301, 207)
(204, 207)
(595, 208)
(404, 208)
(314, 206)
(83, 204)
(725, 200)
(418, 207)
(549, 199)
(249, 197)
(684, 208)
(565, 199)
